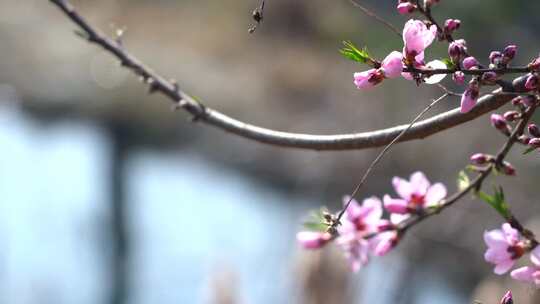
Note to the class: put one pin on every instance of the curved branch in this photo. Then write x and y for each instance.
(362, 140)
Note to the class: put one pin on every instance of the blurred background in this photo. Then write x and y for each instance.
(108, 196)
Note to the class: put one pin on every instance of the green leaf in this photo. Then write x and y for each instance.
(463, 180)
(350, 51)
(529, 150)
(316, 220)
(314, 226)
(448, 62)
(496, 201)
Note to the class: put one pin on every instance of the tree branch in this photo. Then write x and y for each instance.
(363, 140)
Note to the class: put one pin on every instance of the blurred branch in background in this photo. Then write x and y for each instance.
(119, 227)
(158, 83)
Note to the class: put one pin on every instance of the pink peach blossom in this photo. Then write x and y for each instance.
(383, 242)
(405, 8)
(358, 222)
(470, 63)
(417, 37)
(504, 247)
(392, 65)
(416, 194)
(529, 273)
(469, 97)
(368, 79)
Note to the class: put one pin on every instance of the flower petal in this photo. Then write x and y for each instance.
(395, 205)
(361, 79)
(403, 188)
(435, 64)
(524, 274)
(535, 256)
(383, 243)
(312, 239)
(495, 239)
(511, 234)
(396, 218)
(503, 267)
(435, 194)
(419, 183)
(373, 211)
(392, 64)
(354, 210)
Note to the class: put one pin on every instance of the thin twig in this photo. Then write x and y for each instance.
(377, 17)
(383, 152)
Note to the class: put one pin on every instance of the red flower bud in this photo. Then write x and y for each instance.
(507, 298)
(470, 63)
(481, 159)
(534, 142)
(532, 82)
(534, 130)
(511, 116)
(509, 53)
(524, 139)
(508, 169)
(495, 57)
(459, 77)
(535, 64)
(500, 124)
(451, 25)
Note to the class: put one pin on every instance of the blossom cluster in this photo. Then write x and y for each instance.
(505, 246)
(364, 232)
(417, 36)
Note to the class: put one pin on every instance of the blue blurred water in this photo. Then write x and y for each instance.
(190, 220)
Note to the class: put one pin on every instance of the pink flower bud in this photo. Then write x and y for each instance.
(313, 239)
(470, 63)
(534, 130)
(528, 100)
(532, 82)
(509, 52)
(500, 124)
(469, 97)
(511, 116)
(508, 169)
(458, 77)
(524, 139)
(368, 79)
(495, 57)
(417, 37)
(392, 65)
(385, 225)
(534, 142)
(517, 101)
(457, 49)
(507, 298)
(535, 64)
(451, 25)
(490, 77)
(481, 158)
(384, 242)
(406, 7)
